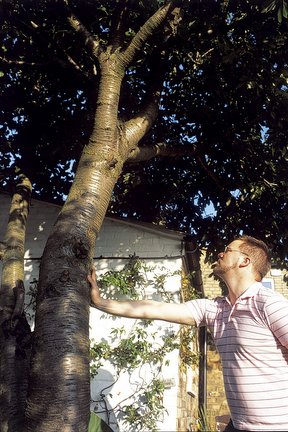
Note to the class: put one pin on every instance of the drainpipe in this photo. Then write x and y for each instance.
(192, 255)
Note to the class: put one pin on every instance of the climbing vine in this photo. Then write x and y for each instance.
(188, 354)
(139, 347)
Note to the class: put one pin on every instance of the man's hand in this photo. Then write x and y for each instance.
(95, 295)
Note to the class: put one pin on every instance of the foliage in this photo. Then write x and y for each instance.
(206, 423)
(96, 424)
(279, 5)
(30, 304)
(153, 400)
(128, 280)
(188, 354)
(188, 290)
(131, 351)
(132, 279)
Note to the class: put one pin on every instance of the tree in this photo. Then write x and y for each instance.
(15, 332)
(82, 88)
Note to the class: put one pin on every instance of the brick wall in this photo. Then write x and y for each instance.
(187, 398)
(279, 283)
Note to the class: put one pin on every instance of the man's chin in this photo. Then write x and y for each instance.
(217, 271)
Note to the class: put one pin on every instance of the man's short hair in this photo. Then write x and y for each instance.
(259, 253)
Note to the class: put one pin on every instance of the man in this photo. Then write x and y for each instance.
(250, 331)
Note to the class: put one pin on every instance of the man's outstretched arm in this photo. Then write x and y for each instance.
(141, 309)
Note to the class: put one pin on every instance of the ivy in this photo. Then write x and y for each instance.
(141, 347)
(187, 354)
(128, 280)
(152, 402)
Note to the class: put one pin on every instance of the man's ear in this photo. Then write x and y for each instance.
(245, 261)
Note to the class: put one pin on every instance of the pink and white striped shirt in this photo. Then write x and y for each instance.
(252, 339)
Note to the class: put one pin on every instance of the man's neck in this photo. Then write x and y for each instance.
(237, 287)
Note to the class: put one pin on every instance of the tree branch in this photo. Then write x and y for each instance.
(210, 173)
(53, 60)
(22, 62)
(118, 22)
(33, 30)
(145, 153)
(154, 22)
(90, 41)
(134, 129)
(138, 126)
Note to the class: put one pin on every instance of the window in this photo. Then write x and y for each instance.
(268, 283)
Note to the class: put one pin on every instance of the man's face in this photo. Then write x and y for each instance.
(228, 260)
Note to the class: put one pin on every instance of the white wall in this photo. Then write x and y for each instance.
(117, 240)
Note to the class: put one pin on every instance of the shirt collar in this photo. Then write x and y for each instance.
(249, 292)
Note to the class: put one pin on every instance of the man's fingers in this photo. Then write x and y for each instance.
(92, 275)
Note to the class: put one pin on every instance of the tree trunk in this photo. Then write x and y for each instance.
(60, 362)
(14, 330)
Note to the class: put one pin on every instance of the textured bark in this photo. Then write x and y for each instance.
(14, 329)
(59, 388)
(60, 362)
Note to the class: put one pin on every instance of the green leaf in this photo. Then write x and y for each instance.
(96, 424)
(285, 10)
(279, 15)
(268, 6)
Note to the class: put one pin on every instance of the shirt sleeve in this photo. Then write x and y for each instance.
(197, 309)
(276, 310)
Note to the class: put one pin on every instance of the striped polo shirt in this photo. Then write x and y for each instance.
(252, 339)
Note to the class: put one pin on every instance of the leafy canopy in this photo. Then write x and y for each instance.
(224, 94)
